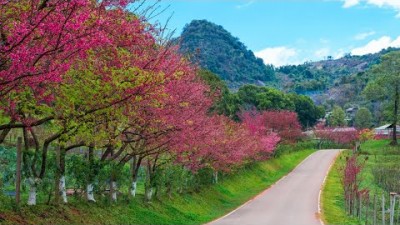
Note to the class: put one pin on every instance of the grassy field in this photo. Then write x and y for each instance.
(374, 153)
(195, 208)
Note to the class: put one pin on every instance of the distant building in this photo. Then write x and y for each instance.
(351, 112)
(351, 115)
(386, 130)
(344, 129)
(327, 115)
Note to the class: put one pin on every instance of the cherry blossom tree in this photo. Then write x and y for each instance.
(340, 135)
(285, 124)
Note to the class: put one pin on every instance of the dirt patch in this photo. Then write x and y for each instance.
(319, 217)
(12, 219)
(75, 211)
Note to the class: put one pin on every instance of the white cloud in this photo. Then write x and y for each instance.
(350, 3)
(339, 53)
(394, 4)
(382, 3)
(244, 5)
(362, 36)
(279, 56)
(376, 45)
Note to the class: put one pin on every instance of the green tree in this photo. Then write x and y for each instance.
(264, 98)
(337, 118)
(229, 105)
(214, 81)
(363, 118)
(248, 95)
(386, 85)
(226, 103)
(272, 99)
(306, 110)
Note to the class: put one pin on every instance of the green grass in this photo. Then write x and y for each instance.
(332, 196)
(195, 208)
(377, 153)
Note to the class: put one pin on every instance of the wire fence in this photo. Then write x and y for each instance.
(375, 209)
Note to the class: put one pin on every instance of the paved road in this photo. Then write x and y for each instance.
(291, 201)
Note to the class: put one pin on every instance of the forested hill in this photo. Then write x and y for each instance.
(325, 74)
(217, 50)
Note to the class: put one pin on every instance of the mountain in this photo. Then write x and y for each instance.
(328, 82)
(322, 75)
(340, 81)
(215, 49)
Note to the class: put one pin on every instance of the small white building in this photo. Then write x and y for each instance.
(386, 129)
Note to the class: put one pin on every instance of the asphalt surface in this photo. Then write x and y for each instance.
(291, 201)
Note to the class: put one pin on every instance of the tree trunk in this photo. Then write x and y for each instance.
(89, 193)
(32, 191)
(113, 186)
(396, 109)
(32, 178)
(62, 186)
(89, 186)
(133, 188)
(135, 165)
(18, 175)
(215, 177)
(63, 190)
(57, 177)
(114, 191)
(149, 180)
(3, 134)
(149, 193)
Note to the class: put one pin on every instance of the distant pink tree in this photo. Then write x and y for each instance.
(340, 135)
(284, 123)
(265, 138)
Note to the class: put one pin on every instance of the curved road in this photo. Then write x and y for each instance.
(291, 201)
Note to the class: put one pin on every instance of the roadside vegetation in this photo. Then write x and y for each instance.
(193, 207)
(332, 200)
(378, 163)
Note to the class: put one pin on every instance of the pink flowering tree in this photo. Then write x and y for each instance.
(339, 135)
(42, 40)
(285, 124)
(265, 138)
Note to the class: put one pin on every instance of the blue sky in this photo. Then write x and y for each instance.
(294, 31)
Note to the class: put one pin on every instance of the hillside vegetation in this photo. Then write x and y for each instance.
(325, 74)
(215, 49)
(252, 97)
